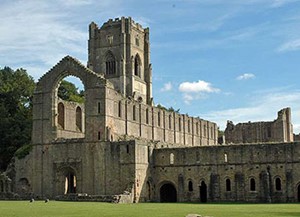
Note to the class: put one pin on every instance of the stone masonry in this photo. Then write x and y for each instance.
(118, 146)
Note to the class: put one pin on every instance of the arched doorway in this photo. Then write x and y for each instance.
(168, 193)
(70, 183)
(203, 192)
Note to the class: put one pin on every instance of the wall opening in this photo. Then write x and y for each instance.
(147, 116)
(148, 191)
(228, 185)
(133, 113)
(120, 109)
(61, 115)
(190, 185)
(70, 114)
(70, 183)
(110, 64)
(203, 192)
(1, 186)
(299, 193)
(79, 118)
(137, 66)
(278, 184)
(171, 158)
(252, 184)
(168, 193)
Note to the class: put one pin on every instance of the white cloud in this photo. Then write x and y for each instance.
(197, 87)
(246, 76)
(262, 107)
(280, 3)
(196, 90)
(290, 46)
(166, 87)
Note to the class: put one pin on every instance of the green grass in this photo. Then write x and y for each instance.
(89, 209)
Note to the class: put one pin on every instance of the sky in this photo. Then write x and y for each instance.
(221, 60)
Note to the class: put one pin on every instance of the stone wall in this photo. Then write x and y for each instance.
(279, 130)
(215, 165)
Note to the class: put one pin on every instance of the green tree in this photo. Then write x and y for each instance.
(69, 92)
(16, 90)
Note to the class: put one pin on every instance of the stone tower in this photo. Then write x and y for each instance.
(120, 50)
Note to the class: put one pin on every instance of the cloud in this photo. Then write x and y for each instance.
(245, 76)
(290, 46)
(166, 87)
(197, 87)
(263, 106)
(196, 90)
(280, 3)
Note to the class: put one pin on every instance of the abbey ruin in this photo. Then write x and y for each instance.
(118, 146)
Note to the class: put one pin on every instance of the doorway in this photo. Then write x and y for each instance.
(70, 183)
(168, 193)
(203, 192)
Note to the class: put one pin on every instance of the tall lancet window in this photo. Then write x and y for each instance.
(110, 64)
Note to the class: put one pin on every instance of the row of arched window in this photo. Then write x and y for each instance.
(252, 184)
(110, 64)
(198, 131)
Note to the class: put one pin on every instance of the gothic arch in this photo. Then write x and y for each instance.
(110, 63)
(167, 192)
(45, 97)
(137, 66)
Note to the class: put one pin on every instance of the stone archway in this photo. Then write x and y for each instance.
(70, 182)
(203, 192)
(168, 193)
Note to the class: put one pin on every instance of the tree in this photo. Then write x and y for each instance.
(69, 92)
(16, 90)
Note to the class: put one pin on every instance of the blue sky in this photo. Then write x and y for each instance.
(217, 59)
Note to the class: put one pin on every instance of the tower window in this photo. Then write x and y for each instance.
(120, 109)
(134, 113)
(110, 64)
(147, 116)
(137, 66)
(137, 41)
(158, 119)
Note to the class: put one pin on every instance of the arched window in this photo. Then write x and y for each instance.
(134, 113)
(278, 184)
(158, 118)
(137, 66)
(79, 118)
(170, 122)
(225, 158)
(147, 116)
(204, 131)
(190, 185)
(197, 128)
(171, 158)
(110, 64)
(120, 109)
(61, 115)
(252, 184)
(189, 127)
(228, 185)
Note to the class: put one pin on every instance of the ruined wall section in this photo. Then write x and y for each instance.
(264, 163)
(100, 168)
(279, 130)
(73, 120)
(127, 117)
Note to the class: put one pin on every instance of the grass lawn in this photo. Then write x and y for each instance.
(90, 209)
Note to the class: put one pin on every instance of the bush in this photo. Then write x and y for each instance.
(23, 151)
